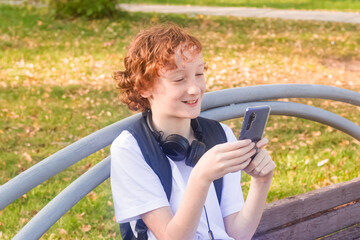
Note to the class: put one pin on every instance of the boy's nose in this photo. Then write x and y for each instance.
(194, 87)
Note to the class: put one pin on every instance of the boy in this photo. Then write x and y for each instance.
(164, 78)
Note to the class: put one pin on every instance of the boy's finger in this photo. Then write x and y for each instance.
(262, 143)
(261, 165)
(244, 152)
(230, 146)
(268, 168)
(256, 161)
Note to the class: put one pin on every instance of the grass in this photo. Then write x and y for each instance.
(56, 87)
(335, 5)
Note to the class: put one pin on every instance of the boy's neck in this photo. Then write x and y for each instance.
(173, 126)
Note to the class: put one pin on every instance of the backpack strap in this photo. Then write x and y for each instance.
(127, 233)
(153, 154)
(213, 134)
(158, 162)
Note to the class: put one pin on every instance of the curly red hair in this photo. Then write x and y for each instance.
(151, 51)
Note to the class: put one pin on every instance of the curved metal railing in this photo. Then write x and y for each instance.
(220, 105)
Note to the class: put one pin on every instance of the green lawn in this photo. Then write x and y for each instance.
(56, 87)
(336, 5)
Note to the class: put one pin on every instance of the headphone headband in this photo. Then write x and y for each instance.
(176, 146)
(158, 135)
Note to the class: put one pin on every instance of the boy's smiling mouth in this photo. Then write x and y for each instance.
(191, 101)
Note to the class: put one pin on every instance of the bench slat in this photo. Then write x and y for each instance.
(319, 226)
(352, 232)
(297, 207)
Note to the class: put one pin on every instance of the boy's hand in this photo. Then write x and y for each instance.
(225, 158)
(262, 166)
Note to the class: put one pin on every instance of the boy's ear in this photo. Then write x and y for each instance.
(145, 93)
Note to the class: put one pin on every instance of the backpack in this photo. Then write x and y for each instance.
(213, 134)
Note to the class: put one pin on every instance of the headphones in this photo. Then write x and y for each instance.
(177, 147)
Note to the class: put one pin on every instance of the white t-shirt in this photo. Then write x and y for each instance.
(136, 189)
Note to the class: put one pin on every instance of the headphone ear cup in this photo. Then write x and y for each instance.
(197, 149)
(176, 147)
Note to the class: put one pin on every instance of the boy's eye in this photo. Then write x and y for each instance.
(181, 79)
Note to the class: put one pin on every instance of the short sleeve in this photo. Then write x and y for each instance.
(136, 189)
(232, 199)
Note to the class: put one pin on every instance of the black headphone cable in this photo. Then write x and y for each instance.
(211, 235)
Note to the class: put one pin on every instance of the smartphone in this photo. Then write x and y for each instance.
(254, 123)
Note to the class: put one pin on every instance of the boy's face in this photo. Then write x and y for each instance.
(178, 92)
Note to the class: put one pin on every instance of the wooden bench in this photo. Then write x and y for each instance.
(331, 210)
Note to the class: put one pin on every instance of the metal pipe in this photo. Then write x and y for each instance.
(73, 153)
(65, 200)
(60, 160)
(278, 91)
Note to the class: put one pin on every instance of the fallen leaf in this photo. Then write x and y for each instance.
(109, 44)
(319, 164)
(85, 228)
(111, 235)
(316, 134)
(79, 216)
(27, 157)
(62, 231)
(66, 179)
(92, 195)
(23, 220)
